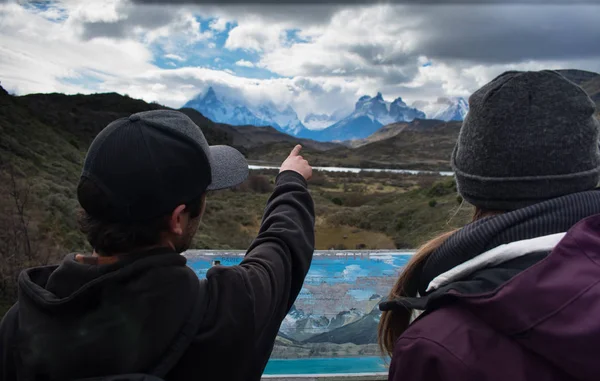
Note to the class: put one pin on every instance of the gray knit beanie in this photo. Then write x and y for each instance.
(528, 137)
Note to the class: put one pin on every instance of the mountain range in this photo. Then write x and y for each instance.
(320, 121)
(370, 114)
(300, 326)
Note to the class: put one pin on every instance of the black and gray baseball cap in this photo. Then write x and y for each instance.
(146, 165)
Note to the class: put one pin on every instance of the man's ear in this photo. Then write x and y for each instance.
(177, 220)
(203, 208)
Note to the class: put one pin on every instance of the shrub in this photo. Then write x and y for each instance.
(319, 179)
(260, 184)
(356, 199)
(399, 225)
(256, 183)
(74, 143)
(337, 201)
(432, 203)
(442, 188)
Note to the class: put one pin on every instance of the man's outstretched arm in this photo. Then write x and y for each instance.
(274, 268)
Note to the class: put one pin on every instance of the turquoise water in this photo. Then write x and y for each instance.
(326, 365)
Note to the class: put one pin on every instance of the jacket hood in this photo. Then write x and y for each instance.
(552, 307)
(79, 320)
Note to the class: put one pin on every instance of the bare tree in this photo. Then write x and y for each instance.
(19, 241)
(20, 196)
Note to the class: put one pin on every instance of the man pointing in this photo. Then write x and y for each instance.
(133, 306)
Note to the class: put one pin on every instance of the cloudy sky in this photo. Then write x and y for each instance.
(318, 58)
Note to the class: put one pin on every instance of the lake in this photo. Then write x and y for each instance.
(340, 365)
(357, 170)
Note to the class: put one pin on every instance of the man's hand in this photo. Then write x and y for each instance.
(296, 163)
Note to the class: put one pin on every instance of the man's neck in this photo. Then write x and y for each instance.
(166, 245)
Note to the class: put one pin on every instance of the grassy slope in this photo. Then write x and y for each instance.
(50, 160)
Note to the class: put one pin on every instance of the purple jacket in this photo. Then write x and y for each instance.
(543, 324)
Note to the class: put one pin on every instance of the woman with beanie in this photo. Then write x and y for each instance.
(515, 295)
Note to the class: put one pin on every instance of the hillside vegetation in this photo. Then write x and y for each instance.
(44, 137)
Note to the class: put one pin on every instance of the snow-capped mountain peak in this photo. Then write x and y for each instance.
(320, 121)
(369, 115)
(210, 95)
(373, 107)
(399, 102)
(450, 109)
(223, 109)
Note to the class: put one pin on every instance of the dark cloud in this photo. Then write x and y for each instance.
(132, 17)
(462, 36)
(379, 54)
(505, 34)
(306, 14)
(444, 100)
(393, 74)
(154, 15)
(104, 29)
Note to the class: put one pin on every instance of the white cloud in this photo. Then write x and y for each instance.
(219, 24)
(185, 30)
(36, 55)
(244, 63)
(174, 57)
(255, 36)
(352, 272)
(94, 11)
(357, 42)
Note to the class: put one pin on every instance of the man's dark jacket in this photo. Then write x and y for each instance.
(80, 320)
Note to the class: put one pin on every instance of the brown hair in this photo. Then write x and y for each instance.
(109, 238)
(394, 323)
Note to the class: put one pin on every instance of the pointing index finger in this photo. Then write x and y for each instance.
(296, 150)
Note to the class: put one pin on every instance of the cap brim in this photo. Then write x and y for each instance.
(228, 166)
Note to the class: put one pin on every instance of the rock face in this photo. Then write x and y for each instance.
(369, 115)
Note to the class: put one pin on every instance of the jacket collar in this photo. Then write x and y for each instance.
(496, 256)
